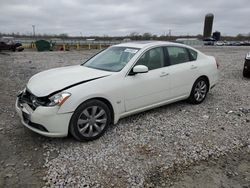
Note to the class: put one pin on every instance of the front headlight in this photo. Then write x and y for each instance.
(59, 98)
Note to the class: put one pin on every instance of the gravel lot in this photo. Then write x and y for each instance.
(178, 145)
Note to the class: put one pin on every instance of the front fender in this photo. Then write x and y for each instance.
(71, 104)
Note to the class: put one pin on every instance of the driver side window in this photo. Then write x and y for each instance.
(153, 59)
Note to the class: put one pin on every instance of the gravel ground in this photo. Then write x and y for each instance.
(178, 145)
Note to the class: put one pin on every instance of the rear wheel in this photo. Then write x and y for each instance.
(90, 120)
(199, 91)
(246, 73)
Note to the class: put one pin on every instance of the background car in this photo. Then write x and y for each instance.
(209, 41)
(8, 43)
(219, 43)
(246, 69)
(120, 81)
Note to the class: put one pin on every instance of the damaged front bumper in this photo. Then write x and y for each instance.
(43, 120)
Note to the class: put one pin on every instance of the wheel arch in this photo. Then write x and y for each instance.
(104, 100)
(202, 76)
(108, 103)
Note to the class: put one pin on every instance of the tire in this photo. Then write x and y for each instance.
(246, 73)
(90, 120)
(199, 91)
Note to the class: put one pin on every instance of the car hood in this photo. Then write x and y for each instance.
(55, 80)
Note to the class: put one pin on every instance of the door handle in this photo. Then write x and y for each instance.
(163, 74)
(194, 67)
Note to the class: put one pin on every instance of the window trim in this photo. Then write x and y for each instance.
(190, 55)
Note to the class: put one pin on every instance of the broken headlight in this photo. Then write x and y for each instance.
(59, 98)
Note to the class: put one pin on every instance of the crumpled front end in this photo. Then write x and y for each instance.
(40, 118)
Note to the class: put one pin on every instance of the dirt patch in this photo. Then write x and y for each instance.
(229, 170)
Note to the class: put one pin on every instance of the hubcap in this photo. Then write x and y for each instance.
(200, 90)
(92, 121)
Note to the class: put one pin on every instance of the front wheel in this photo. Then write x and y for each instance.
(199, 91)
(90, 120)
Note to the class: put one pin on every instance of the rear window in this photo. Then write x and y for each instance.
(178, 55)
(193, 55)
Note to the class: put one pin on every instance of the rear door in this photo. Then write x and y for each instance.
(183, 71)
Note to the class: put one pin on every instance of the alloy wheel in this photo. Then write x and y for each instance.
(200, 90)
(92, 121)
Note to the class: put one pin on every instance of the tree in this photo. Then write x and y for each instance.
(64, 35)
(146, 36)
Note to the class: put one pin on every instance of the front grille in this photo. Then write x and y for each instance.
(27, 98)
(33, 101)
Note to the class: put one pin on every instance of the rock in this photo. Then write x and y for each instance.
(187, 134)
(8, 176)
(229, 174)
(230, 112)
(244, 110)
(205, 116)
(10, 164)
(239, 114)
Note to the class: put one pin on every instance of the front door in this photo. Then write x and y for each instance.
(141, 90)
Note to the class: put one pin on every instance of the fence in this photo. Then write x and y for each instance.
(71, 43)
(77, 44)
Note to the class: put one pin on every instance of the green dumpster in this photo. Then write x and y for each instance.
(43, 45)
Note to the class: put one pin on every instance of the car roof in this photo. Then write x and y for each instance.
(146, 44)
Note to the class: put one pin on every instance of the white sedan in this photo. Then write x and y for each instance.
(120, 81)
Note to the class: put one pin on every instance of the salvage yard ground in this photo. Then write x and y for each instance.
(179, 145)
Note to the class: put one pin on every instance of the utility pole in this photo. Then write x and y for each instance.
(34, 30)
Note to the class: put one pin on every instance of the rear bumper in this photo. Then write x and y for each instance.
(44, 120)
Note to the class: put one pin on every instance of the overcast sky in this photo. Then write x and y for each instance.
(121, 17)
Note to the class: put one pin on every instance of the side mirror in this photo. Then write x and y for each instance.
(140, 69)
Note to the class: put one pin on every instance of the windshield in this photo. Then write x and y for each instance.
(112, 59)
